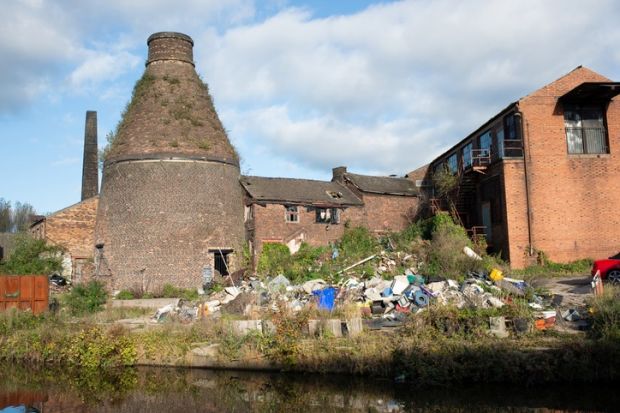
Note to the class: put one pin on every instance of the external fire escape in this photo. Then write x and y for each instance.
(458, 202)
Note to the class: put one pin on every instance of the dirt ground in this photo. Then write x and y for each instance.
(571, 292)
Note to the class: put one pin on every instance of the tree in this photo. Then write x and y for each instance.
(32, 256)
(5, 216)
(15, 219)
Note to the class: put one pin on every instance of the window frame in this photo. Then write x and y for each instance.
(290, 212)
(332, 218)
(582, 142)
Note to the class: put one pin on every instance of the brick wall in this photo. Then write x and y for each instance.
(270, 225)
(159, 220)
(388, 212)
(574, 198)
(72, 228)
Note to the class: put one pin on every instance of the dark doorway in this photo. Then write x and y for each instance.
(220, 260)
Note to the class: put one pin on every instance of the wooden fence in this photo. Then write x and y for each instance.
(24, 292)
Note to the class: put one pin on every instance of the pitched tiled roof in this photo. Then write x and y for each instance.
(383, 184)
(298, 191)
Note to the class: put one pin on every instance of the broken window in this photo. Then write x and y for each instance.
(221, 261)
(334, 194)
(292, 214)
(585, 129)
(327, 215)
(467, 155)
(453, 164)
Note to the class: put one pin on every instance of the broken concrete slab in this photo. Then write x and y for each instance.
(243, 327)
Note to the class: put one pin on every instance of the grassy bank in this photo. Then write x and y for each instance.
(426, 350)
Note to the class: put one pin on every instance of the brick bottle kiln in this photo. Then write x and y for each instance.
(171, 202)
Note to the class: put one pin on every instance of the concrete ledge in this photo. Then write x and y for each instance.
(154, 303)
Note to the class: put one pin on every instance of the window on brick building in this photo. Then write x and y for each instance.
(585, 129)
(453, 164)
(292, 214)
(327, 216)
(467, 159)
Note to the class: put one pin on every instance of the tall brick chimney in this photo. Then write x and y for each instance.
(90, 170)
(171, 203)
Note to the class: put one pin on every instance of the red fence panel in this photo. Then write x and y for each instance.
(25, 292)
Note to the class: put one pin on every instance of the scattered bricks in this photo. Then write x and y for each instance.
(243, 327)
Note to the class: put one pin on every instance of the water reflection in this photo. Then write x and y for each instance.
(171, 390)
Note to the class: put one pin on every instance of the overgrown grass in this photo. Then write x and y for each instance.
(86, 298)
(547, 268)
(606, 315)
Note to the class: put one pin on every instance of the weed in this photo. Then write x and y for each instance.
(124, 295)
(606, 314)
(203, 144)
(32, 256)
(86, 299)
(170, 291)
(174, 143)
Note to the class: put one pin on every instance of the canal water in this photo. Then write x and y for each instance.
(193, 390)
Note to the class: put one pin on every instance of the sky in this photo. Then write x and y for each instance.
(381, 87)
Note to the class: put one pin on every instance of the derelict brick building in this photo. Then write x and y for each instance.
(170, 202)
(543, 175)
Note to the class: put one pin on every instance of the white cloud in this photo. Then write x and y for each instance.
(99, 67)
(388, 88)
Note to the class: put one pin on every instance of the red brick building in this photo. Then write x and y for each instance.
(543, 175)
(291, 211)
(73, 229)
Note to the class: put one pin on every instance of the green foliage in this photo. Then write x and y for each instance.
(86, 298)
(274, 259)
(444, 181)
(32, 256)
(547, 268)
(445, 254)
(606, 315)
(285, 344)
(94, 349)
(170, 291)
(124, 295)
(357, 243)
(306, 263)
(13, 320)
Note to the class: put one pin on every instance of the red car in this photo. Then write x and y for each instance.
(609, 268)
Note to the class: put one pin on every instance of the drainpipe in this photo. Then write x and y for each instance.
(524, 133)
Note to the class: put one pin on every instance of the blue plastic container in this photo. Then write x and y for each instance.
(326, 298)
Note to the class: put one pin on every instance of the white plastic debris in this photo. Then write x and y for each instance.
(399, 284)
(471, 254)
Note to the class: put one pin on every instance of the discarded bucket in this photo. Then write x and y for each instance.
(421, 299)
(325, 298)
(496, 275)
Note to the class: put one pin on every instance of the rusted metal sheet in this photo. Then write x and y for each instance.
(24, 292)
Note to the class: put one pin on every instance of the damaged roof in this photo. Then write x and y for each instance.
(299, 191)
(383, 184)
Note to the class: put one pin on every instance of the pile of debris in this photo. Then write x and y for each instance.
(386, 301)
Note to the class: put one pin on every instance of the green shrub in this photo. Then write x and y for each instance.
(86, 298)
(124, 295)
(170, 291)
(274, 259)
(357, 243)
(606, 315)
(445, 253)
(32, 256)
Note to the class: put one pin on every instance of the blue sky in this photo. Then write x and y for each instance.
(301, 86)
